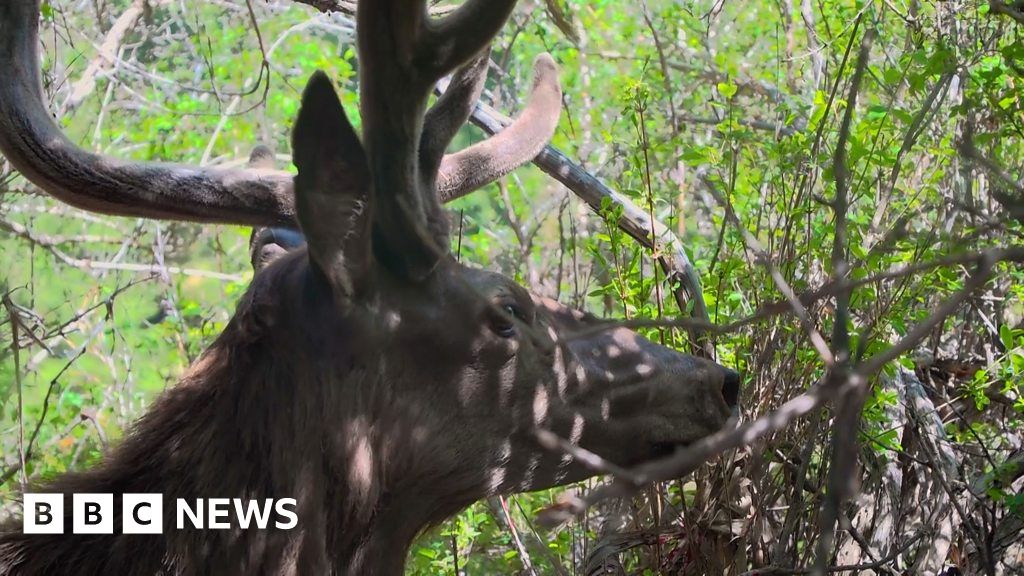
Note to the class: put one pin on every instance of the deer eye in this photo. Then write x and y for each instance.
(504, 324)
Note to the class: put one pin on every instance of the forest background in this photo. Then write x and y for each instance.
(841, 184)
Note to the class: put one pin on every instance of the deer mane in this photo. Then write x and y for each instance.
(256, 416)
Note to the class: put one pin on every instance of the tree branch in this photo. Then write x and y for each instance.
(634, 221)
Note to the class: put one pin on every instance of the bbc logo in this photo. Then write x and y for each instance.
(143, 513)
(93, 514)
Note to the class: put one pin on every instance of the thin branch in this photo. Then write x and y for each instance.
(968, 149)
(16, 352)
(841, 475)
(783, 307)
(1000, 7)
(686, 460)
(817, 340)
(555, 443)
(634, 221)
(50, 246)
(106, 55)
(348, 7)
(873, 565)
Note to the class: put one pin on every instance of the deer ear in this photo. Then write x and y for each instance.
(332, 189)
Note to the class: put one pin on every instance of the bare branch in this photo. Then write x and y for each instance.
(343, 6)
(634, 221)
(817, 340)
(1000, 7)
(880, 563)
(556, 443)
(841, 474)
(687, 459)
(106, 55)
(50, 246)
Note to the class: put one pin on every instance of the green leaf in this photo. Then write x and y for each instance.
(877, 112)
(1006, 337)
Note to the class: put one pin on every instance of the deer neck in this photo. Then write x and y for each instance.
(224, 432)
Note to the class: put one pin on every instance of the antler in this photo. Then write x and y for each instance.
(36, 147)
(403, 53)
(260, 196)
(485, 162)
(451, 110)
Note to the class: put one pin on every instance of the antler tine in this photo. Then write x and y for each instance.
(451, 111)
(455, 38)
(37, 148)
(483, 163)
(403, 54)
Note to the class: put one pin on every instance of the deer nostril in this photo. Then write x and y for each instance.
(731, 387)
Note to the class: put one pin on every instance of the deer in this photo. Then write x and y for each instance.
(366, 373)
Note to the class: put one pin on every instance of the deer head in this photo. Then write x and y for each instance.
(369, 375)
